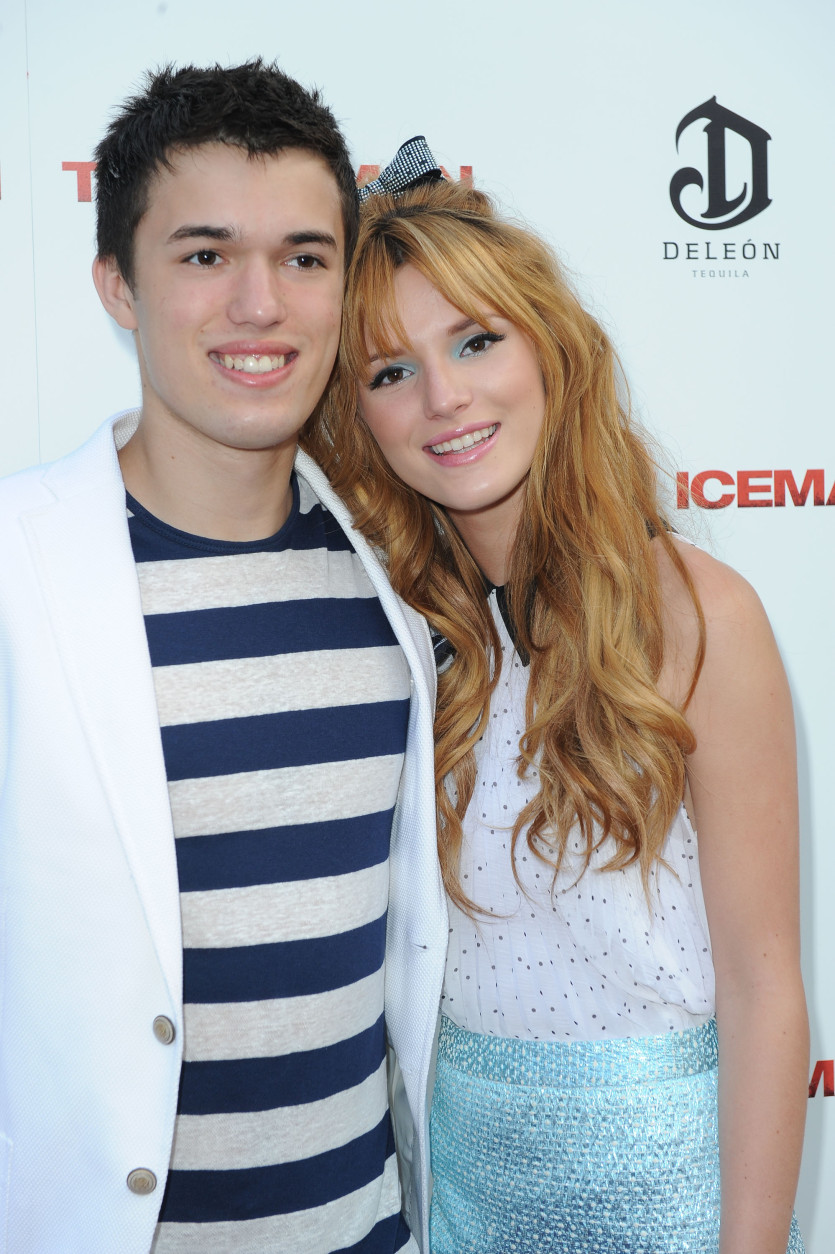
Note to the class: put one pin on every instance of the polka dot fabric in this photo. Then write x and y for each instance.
(583, 959)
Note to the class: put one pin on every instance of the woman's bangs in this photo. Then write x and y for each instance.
(373, 327)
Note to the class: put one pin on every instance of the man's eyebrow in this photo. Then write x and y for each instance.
(311, 237)
(231, 235)
(224, 234)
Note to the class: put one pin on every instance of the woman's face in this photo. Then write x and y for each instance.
(458, 414)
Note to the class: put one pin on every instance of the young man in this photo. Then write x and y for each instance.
(212, 707)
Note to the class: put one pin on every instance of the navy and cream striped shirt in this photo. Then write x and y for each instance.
(283, 705)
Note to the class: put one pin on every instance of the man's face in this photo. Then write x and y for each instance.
(237, 297)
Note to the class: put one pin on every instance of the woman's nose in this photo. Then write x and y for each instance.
(447, 390)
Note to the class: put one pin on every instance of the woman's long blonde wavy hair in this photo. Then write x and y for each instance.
(583, 590)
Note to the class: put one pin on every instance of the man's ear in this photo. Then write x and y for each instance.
(114, 292)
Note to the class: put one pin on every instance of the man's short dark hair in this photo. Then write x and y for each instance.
(254, 107)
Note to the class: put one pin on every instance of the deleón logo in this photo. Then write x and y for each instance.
(733, 177)
(722, 211)
(751, 489)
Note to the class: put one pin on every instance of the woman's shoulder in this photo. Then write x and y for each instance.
(733, 615)
(721, 590)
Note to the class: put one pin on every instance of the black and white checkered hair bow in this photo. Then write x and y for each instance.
(412, 163)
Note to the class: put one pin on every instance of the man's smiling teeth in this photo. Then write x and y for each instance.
(464, 441)
(251, 364)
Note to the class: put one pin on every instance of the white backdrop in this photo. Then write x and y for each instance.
(568, 113)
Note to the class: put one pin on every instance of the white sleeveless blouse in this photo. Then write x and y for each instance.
(582, 959)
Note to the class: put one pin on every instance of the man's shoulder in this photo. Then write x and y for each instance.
(41, 484)
(25, 490)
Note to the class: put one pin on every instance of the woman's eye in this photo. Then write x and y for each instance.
(389, 375)
(480, 343)
(205, 257)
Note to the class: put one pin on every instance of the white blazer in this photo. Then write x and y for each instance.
(90, 923)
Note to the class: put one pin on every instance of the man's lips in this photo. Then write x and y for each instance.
(249, 364)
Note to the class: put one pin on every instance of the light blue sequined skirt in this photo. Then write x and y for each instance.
(599, 1147)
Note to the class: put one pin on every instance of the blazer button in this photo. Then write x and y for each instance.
(142, 1181)
(164, 1030)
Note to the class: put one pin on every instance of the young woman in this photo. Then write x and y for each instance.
(605, 692)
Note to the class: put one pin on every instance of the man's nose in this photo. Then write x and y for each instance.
(258, 298)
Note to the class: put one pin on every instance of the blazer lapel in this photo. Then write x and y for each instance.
(81, 550)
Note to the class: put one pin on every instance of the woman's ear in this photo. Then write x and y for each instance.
(114, 292)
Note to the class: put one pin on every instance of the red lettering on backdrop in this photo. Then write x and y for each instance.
(683, 490)
(746, 490)
(813, 481)
(750, 493)
(83, 171)
(465, 173)
(697, 489)
(367, 174)
(824, 1070)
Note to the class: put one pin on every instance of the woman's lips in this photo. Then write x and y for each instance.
(464, 447)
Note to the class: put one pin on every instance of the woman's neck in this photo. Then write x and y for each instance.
(489, 536)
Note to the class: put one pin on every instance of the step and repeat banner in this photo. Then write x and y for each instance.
(678, 157)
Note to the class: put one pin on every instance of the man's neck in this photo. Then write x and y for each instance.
(208, 489)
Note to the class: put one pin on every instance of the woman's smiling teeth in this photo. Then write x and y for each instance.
(461, 442)
(250, 364)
